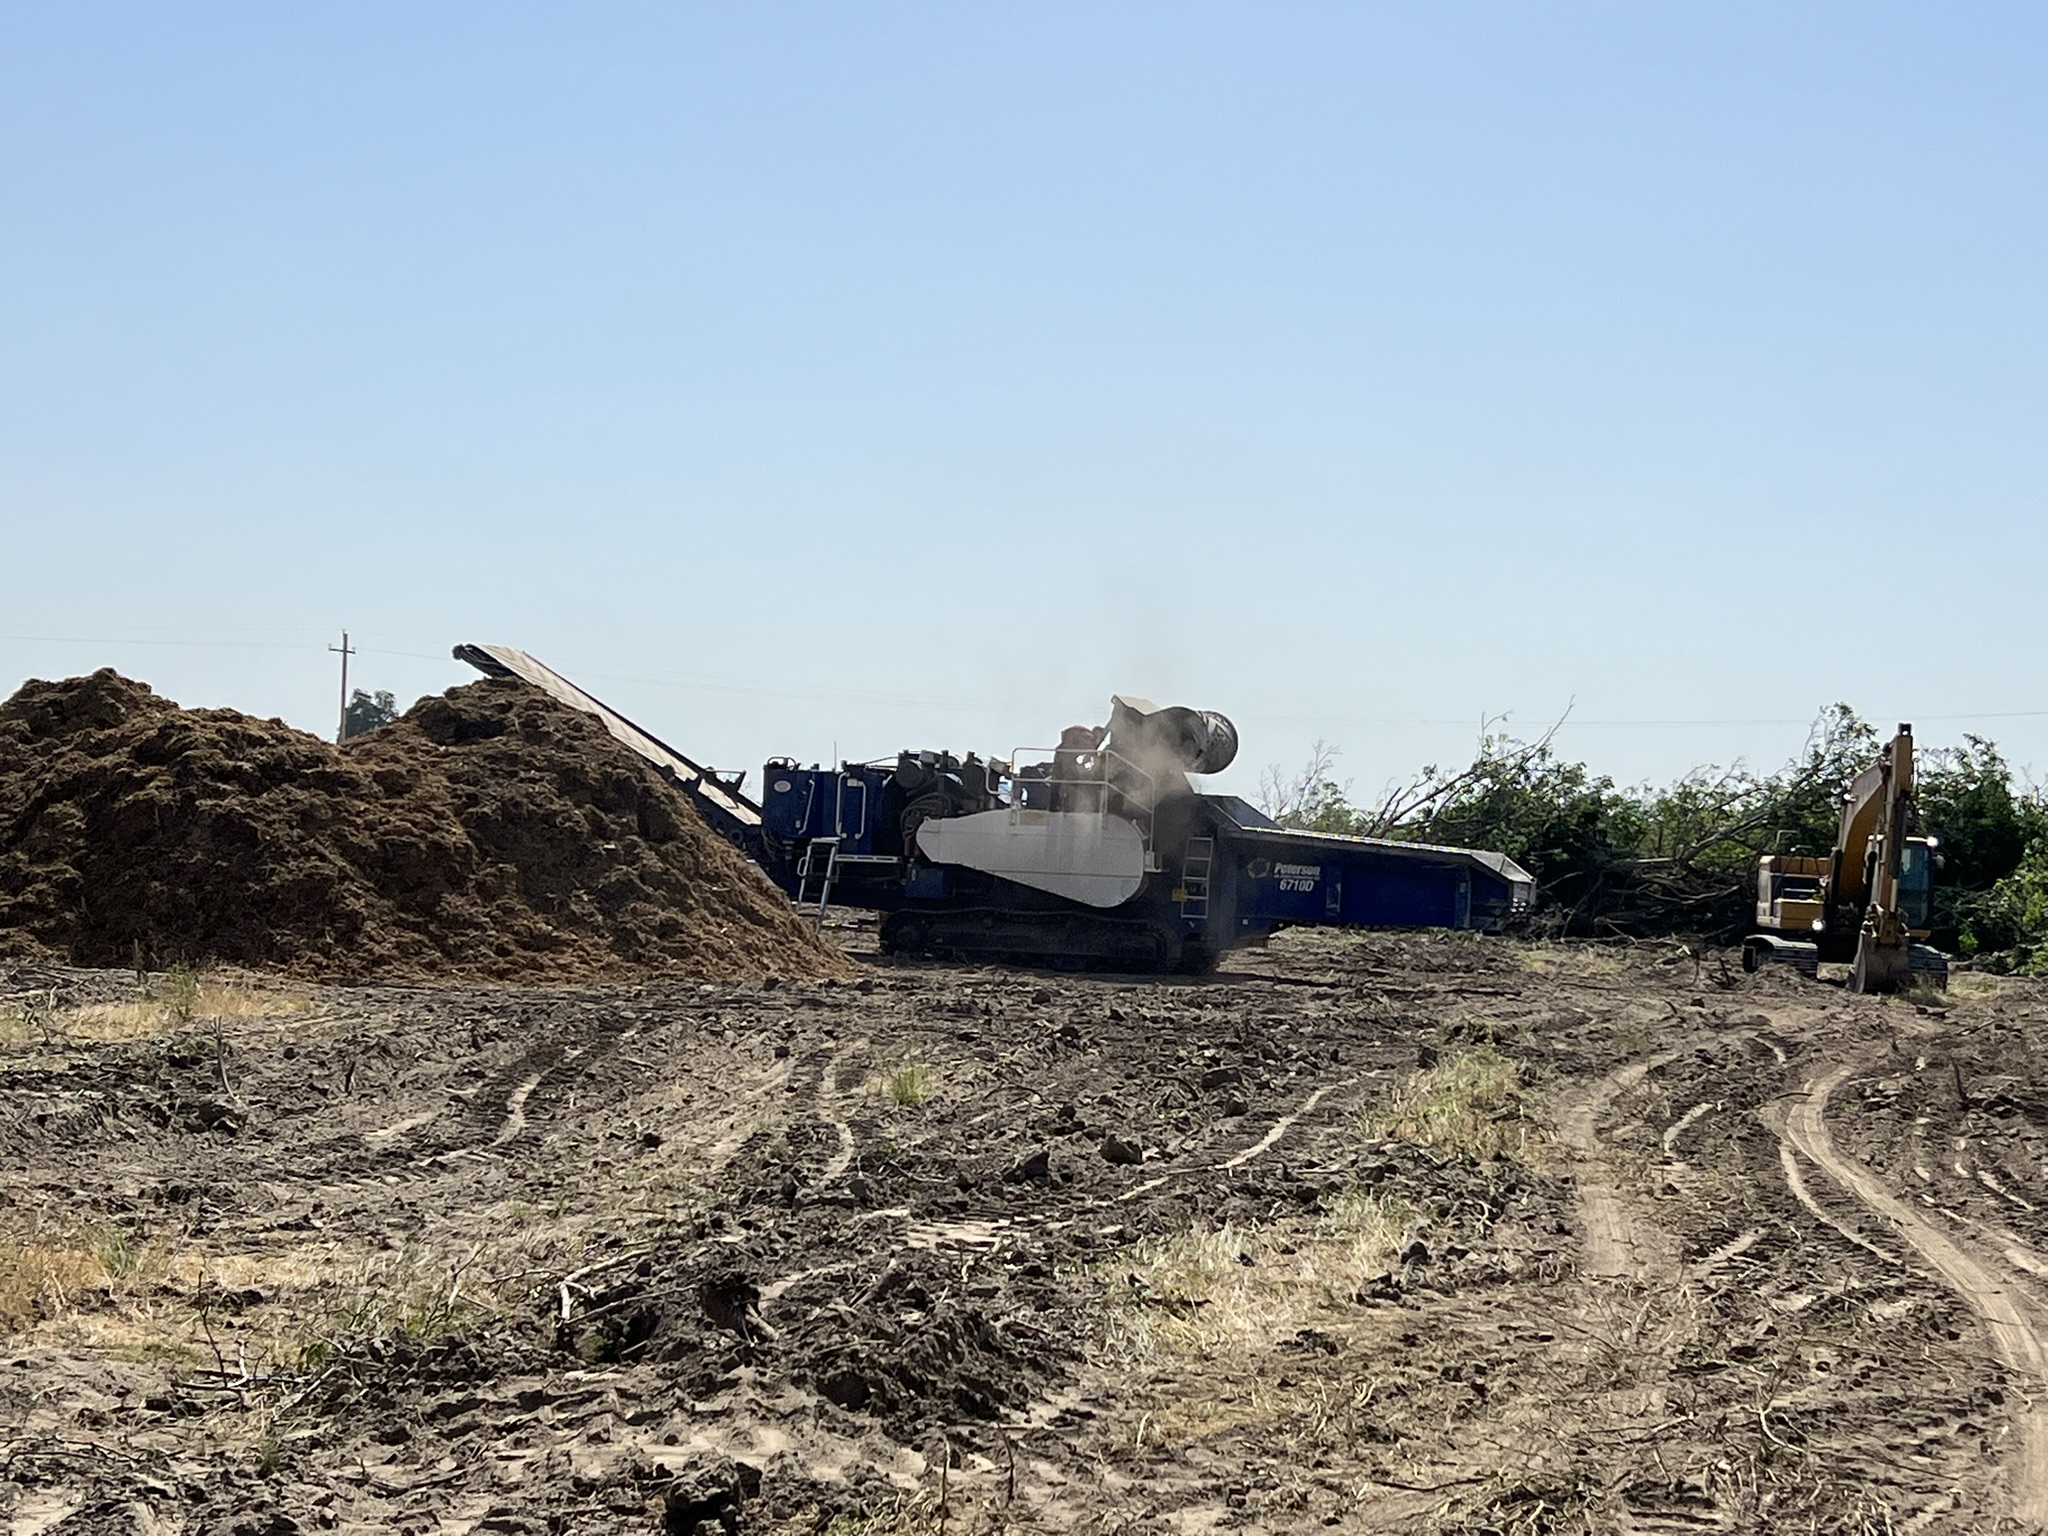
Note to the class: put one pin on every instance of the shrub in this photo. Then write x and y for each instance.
(2009, 922)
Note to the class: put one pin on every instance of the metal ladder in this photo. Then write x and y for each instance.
(810, 866)
(1194, 878)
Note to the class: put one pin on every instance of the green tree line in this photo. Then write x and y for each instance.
(1681, 858)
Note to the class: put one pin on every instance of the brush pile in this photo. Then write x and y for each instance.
(491, 833)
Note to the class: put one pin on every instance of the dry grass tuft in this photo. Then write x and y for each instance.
(409, 1294)
(1977, 984)
(1226, 1321)
(907, 1514)
(149, 1302)
(179, 1000)
(1471, 1102)
(1550, 958)
(1224, 1292)
(122, 1296)
(39, 1280)
(45, 1275)
(909, 1083)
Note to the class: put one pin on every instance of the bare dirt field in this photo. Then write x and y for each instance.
(1376, 1233)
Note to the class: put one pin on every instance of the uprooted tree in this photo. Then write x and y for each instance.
(1681, 858)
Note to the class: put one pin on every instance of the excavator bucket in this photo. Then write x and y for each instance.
(1880, 967)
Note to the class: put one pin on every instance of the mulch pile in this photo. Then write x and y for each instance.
(491, 833)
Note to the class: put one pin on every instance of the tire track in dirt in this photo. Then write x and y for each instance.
(750, 1109)
(2014, 1321)
(515, 1102)
(1632, 1285)
(1685, 1122)
(972, 1232)
(1795, 1181)
(1283, 1125)
(1613, 1245)
(829, 1090)
(498, 1118)
(500, 1110)
(802, 1090)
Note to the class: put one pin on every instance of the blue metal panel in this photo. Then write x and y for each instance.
(1303, 877)
(1287, 890)
(1361, 889)
(791, 805)
(1410, 896)
(860, 803)
(800, 803)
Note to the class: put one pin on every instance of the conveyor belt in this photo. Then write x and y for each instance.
(735, 815)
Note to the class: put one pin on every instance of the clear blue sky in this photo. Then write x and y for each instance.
(901, 375)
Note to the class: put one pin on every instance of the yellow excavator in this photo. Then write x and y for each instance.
(1864, 905)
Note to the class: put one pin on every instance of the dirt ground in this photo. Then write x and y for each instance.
(1374, 1232)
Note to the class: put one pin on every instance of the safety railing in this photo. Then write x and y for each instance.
(1080, 779)
(855, 833)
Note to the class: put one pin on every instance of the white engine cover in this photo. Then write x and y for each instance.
(1085, 856)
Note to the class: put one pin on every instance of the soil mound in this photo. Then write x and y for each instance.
(489, 833)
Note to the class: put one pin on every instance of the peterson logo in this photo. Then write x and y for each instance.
(1293, 877)
(1298, 877)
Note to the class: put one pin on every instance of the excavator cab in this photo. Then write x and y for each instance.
(1791, 893)
(1916, 883)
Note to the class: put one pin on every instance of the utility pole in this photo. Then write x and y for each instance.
(341, 732)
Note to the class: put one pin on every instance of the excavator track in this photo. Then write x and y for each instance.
(1064, 940)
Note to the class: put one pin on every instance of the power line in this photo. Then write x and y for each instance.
(218, 645)
(1981, 714)
(711, 684)
(205, 645)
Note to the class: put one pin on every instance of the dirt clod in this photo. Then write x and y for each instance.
(706, 1496)
(1035, 1169)
(1120, 1152)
